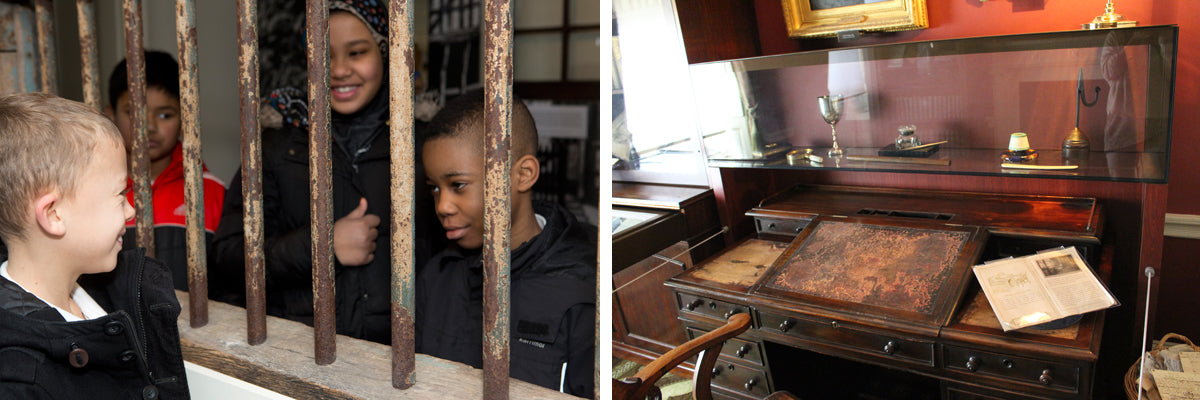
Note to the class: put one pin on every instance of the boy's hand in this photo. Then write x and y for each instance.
(354, 236)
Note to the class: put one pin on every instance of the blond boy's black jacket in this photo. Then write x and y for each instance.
(131, 353)
(553, 305)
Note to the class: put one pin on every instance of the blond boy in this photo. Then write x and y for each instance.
(78, 317)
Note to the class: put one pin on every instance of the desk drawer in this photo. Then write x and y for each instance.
(842, 335)
(779, 226)
(741, 379)
(711, 308)
(1053, 375)
(734, 348)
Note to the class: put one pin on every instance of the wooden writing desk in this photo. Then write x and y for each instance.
(947, 342)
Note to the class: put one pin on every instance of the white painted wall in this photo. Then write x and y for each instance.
(207, 384)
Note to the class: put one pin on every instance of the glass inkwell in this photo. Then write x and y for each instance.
(1018, 150)
(907, 138)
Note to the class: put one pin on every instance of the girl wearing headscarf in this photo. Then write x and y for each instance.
(361, 181)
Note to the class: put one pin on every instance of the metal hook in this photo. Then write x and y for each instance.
(1083, 96)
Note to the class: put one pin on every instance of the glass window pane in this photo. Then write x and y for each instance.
(537, 57)
(585, 12)
(529, 14)
(584, 61)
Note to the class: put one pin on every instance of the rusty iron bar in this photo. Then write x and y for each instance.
(403, 171)
(193, 173)
(252, 195)
(43, 11)
(497, 21)
(90, 64)
(135, 61)
(320, 181)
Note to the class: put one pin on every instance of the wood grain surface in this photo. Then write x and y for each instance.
(285, 363)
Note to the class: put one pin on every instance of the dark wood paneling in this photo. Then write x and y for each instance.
(718, 29)
(643, 308)
(1177, 289)
(572, 91)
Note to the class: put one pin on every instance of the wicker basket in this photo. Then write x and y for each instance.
(1131, 377)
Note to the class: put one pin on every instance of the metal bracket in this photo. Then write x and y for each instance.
(849, 35)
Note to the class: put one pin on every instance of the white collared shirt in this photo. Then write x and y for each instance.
(87, 305)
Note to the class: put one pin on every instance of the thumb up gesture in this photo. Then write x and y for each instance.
(354, 236)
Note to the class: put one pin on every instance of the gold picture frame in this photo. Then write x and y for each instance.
(832, 16)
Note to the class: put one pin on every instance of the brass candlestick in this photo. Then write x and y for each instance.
(1110, 19)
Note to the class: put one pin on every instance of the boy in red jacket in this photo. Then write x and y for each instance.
(166, 163)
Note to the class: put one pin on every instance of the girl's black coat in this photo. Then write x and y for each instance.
(362, 293)
(132, 353)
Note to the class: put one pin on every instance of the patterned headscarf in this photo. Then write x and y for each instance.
(291, 104)
(372, 12)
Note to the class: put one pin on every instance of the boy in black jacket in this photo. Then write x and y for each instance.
(77, 319)
(552, 266)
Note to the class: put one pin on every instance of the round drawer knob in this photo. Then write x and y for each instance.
(741, 351)
(751, 383)
(712, 305)
(890, 347)
(729, 314)
(716, 371)
(1046, 378)
(834, 324)
(771, 226)
(785, 325)
(973, 364)
(695, 303)
(1006, 363)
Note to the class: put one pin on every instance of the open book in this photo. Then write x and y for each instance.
(1041, 288)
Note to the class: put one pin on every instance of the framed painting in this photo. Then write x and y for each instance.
(817, 18)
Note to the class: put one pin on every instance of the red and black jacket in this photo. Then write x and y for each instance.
(170, 238)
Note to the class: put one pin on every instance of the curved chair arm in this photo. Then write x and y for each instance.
(708, 346)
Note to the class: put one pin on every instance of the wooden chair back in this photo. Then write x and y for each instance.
(707, 346)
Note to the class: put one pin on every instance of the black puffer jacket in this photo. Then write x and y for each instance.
(362, 299)
(132, 353)
(553, 298)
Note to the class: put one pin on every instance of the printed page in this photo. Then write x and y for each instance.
(1041, 288)
(1016, 294)
(1190, 361)
(1177, 385)
(1071, 284)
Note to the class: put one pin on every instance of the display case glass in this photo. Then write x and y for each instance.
(1113, 86)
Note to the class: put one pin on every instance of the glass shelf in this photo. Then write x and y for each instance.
(1109, 166)
(972, 93)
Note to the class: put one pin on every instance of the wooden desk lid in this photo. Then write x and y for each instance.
(737, 268)
(909, 270)
(1076, 219)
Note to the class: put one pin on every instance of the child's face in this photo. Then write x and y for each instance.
(456, 174)
(355, 64)
(163, 128)
(95, 215)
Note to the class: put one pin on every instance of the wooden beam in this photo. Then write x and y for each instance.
(285, 364)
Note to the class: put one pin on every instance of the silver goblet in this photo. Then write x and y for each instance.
(831, 111)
